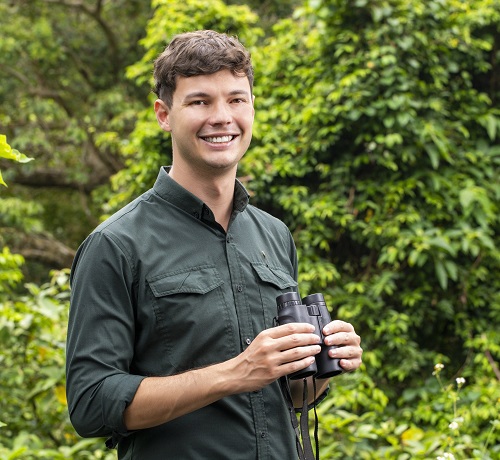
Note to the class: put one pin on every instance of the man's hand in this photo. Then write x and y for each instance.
(276, 352)
(349, 352)
(343, 335)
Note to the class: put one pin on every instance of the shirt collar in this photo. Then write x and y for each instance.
(177, 195)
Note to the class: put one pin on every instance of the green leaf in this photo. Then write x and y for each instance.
(441, 274)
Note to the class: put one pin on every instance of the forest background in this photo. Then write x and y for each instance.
(376, 140)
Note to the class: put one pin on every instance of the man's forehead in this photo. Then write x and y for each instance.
(205, 84)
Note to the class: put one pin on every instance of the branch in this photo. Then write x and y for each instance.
(56, 179)
(41, 248)
(38, 89)
(96, 15)
(493, 364)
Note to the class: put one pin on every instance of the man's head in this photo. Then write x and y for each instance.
(202, 52)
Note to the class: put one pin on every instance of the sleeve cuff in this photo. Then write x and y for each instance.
(118, 392)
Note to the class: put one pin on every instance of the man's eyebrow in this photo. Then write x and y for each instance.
(239, 92)
(196, 94)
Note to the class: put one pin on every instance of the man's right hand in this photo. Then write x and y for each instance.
(276, 352)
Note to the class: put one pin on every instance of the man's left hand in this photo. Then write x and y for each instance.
(349, 352)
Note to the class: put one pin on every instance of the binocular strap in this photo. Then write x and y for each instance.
(304, 448)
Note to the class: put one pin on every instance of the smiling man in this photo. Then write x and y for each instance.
(171, 347)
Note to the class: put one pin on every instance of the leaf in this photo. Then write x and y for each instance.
(6, 151)
(452, 269)
(467, 197)
(433, 156)
(60, 392)
(441, 243)
(441, 274)
(491, 126)
(411, 435)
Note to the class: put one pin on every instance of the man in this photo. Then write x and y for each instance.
(171, 346)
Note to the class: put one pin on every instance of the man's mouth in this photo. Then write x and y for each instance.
(218, 139)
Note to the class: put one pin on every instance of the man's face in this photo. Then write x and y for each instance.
(211, 120)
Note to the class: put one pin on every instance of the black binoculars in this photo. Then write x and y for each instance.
(311, 309)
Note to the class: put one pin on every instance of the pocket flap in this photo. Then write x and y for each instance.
(199, 280)
(274, 275)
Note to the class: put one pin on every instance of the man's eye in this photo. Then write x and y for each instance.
(199, 102)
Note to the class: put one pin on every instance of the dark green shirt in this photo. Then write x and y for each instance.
(160, 288)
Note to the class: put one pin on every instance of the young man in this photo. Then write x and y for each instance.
(171, 346)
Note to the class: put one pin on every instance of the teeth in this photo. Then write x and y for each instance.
(218, 139)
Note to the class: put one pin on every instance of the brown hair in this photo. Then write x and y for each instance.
(199, 53)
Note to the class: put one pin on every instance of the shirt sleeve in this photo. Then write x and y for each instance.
(100, 342)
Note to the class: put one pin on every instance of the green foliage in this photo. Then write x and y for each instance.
(434, 419)
(33, 408)
(66, 100)
(6, 151)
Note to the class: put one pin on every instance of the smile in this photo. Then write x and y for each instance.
(219, 139)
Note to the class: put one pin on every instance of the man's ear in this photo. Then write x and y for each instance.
(162, 112)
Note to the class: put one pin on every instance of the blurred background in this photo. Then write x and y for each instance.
(376, 141)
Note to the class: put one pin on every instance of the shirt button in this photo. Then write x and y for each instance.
(239, 288)
(262, 434)
(248, 341)
(197, 215)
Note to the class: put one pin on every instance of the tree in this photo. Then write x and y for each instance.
(66, 100)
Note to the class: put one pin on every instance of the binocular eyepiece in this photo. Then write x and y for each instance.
(311, 309)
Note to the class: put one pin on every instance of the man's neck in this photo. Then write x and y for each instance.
(216, 191)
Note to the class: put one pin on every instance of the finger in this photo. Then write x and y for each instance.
(350, 364)
(337, 325)
(296, 341)
(347, 352)
(343, 339)
(298, 353)
(294, 366)
(289, 329)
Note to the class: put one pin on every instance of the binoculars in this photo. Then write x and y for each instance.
(311, 309)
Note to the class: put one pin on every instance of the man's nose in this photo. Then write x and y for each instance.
(220, 114)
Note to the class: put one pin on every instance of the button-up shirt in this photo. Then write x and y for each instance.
(160, 288)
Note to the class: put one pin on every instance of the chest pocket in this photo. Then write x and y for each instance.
(271, 282)
(196, 281)
(193, 318)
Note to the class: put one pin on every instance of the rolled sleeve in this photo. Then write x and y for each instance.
(99, 411)
(100, 343)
